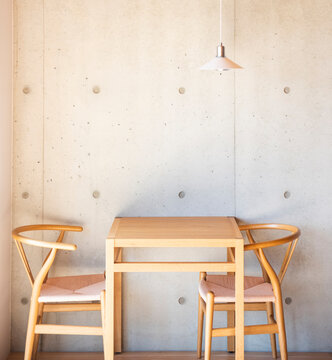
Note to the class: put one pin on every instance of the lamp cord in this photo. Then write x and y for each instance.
(220, 21)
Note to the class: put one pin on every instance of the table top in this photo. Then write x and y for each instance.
(136, 229)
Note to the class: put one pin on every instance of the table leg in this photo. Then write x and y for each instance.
(109, 328)
(239, 302)
(230, 313)
(118, 305)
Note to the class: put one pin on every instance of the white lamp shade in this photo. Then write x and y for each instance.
(220, 63)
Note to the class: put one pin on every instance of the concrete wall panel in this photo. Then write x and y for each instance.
(28, 150)
(6, 35)
(283, 144)
(114, 121)
(117, 138)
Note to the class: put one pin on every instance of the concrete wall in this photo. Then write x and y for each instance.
(98, 108)
(5, 171)
(283, 144)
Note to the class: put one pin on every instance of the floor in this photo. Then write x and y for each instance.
(170, 356)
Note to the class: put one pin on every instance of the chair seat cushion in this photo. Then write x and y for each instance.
(72, 289)
(223, 287)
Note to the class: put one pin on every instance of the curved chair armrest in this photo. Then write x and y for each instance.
(54, 246)
(47, 244)
(286, 227)
(266, 244)
(47, 227)
(295, 234)
(291, 238)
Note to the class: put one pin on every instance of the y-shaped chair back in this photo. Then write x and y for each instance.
(257, 247)
(90, 294)
(216, 298)
(41, 277)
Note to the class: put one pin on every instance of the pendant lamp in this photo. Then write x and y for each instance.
(220, 62)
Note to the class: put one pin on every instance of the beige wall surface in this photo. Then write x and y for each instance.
(98, 109)
(5, 171)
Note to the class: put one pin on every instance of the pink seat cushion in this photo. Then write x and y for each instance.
(223, 287)
(72, 288)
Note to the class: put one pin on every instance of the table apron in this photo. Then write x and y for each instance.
(175, 243)
(174, 267)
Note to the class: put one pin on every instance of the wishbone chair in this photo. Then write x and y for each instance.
(59, 294)
(216, 293)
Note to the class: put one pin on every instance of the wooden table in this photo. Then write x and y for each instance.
(169, 232)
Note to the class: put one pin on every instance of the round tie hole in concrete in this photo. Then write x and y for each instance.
(25, 195)
(287, 194)
(181, 300)
(181, 194)
(288, 300)
(96, 89)
(24, 301)
(96, 194)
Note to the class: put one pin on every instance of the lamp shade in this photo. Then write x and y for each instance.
(220, 62)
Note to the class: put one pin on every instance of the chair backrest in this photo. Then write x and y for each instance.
(53, 246)
(293, 234)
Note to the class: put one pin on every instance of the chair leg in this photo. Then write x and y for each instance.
(208, 324)
(37, 336)
(102, 303)
(231, 324)
(270, 319)
(281, 328)
(200, 327)
(33, 315)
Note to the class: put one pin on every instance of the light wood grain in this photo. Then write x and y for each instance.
(273, 327)
(118, 305)
(174, 355)
(71, 307)
(248, 330)
(173, 267)
(109, 311)
(247, 307)
(114, 228)
(169, 232)
(116, 285)
(270, 319)
(176, 228)
(175, 243)
(208, 325)
(103, 317)
(68, 330)
(201, 310)
(239, 302)
(231, 324)
(231, 311)
(35, 326)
